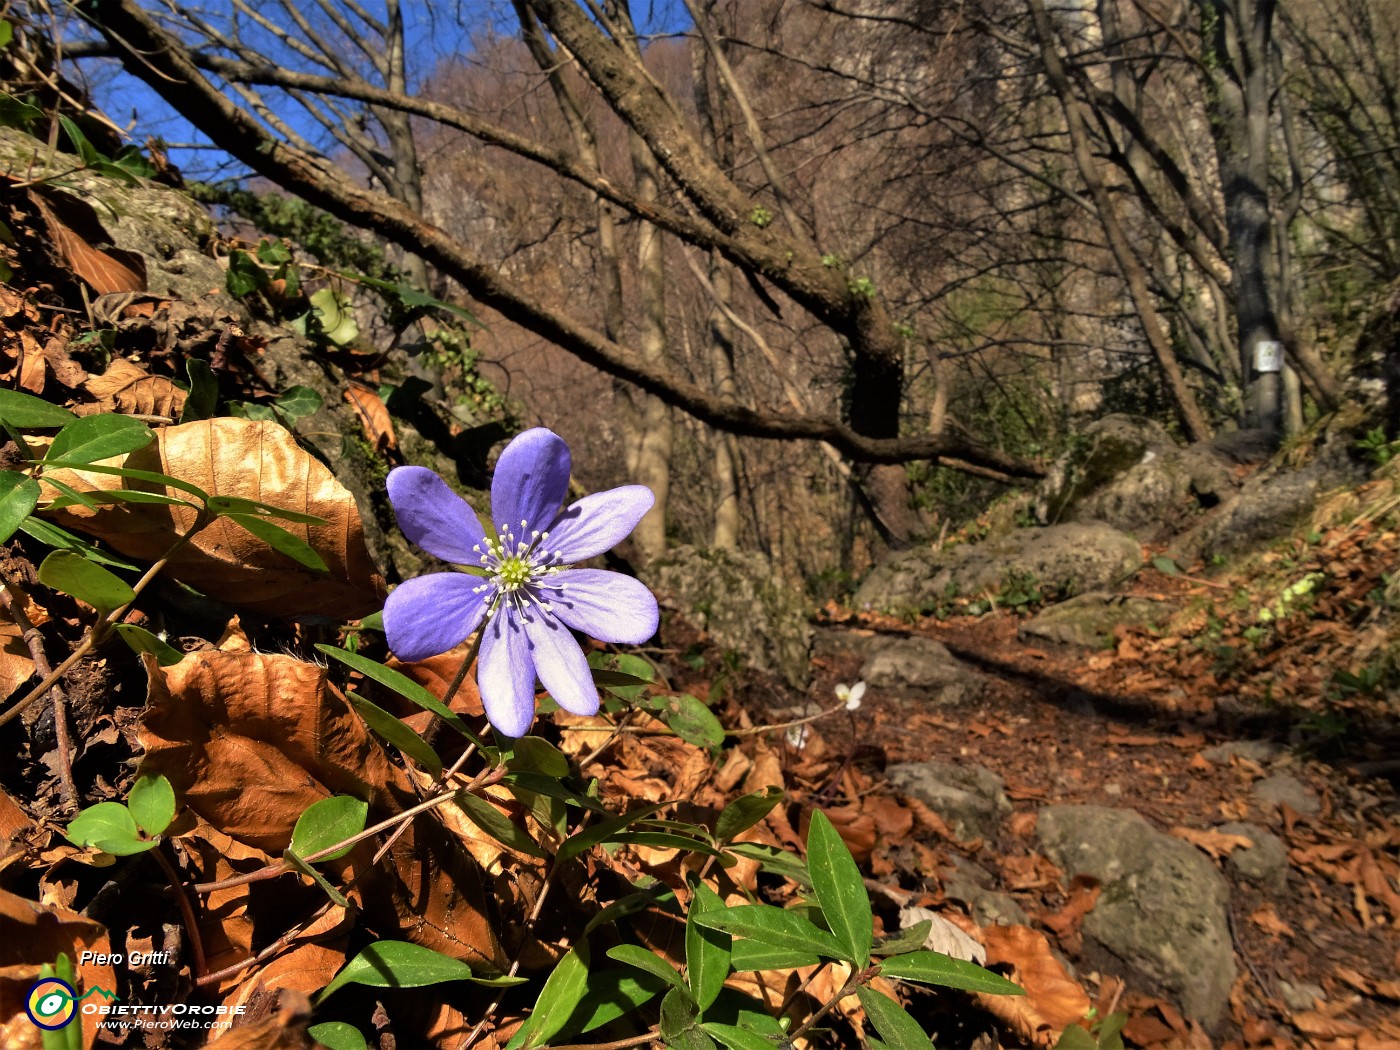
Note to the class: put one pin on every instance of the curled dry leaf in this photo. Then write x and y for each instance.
(253, 460)
(1053, 1000)
(128, 388)
(34, 935)
(16, 665)
(74, 229)
(250, 740)
(374, 417)
(943, 936)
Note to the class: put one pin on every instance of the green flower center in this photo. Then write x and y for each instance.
(513, 573)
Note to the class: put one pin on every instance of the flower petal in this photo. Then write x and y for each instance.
(505, 675)
(561, 665)
(598, 522)
(604, 605)
(532, 479)
(434, 517)
(434, 613)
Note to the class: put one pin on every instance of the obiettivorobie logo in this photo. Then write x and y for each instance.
(52, 1003)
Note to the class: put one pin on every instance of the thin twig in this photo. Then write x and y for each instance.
(186, 912)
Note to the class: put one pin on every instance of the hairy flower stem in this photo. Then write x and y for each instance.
(99, 631)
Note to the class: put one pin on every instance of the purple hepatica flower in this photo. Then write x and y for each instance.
(527, 598)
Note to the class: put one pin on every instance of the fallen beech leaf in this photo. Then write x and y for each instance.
(35, 935)
(1267, 920)
(1217, 843)
(16, 665)
(105, 270)
(252, 460)
(128, 388)
(1314, 1022)
(276, 1021)
(374, 417)
(943, 936)
(1053, 1000)
(1084, 893)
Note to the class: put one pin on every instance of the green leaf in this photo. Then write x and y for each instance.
(746, 811)
(398, 734)
(613, 994)
(17, 113)
(782, 929)
(1167, 567)
(402, 685)
(130, 160)
(940, 969)
(632, 904)
(644, 959)
(909, 939)
(273, 253)
(71, 497)
(254, 509)
(337, 1035)
(1076, 1038)
(409, 296)
(72, 574)
(152, 803)
(336, 897)
(775, 860)
(839, 888)
(689, 719)
(111, 828)
(298, 402)
(29, 412)
(563, 991)
(245, 276)
(143, 641)
(496, 824)
(397, 964)
(530, 754)
(136, 475)
(87, 152)
(62, 539)
(603, 831)
(107, 168)
(706, 951)
(19, 495)
(735, 1038)
(204, 396)
(280, 540)
(336, 322)
(327, 822)
(749, 955)
(679, 1027)
(892, 1021)
(90, 438)
(7, 33)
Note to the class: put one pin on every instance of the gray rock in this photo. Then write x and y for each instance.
(1301, 996)
(923, 664)
(1088, 620)
(1281, 788)
(737, 599)
(1070, 558)
(1265, 863)
(1257, 751)
(1163, 910)
(988, 907)
(970, 798)
(1129, 473)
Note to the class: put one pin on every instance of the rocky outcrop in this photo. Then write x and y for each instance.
(970, 798)
(734, 597)
(1068, 558)
(922, 665)
(1131, 474)
(1088, 620)
(1163, 911)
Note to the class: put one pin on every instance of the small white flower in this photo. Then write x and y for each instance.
(850, 695)
(796, 736)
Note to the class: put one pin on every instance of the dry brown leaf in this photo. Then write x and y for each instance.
(250, 740)
(306, 968)
(253, 460)
(1314, 1022)
(1084, 893)
(374, 417)
(1053, 1000)
(14, 821)
(16, 665)
(276, 1021)
(105, 270)
(943, 936)
(1267, 920)
(1217, 843)
(128, 388)
(35, 935)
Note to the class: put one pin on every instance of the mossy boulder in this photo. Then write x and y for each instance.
(1089, 620)
(741, 604)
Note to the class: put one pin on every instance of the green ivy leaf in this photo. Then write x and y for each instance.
(746, 811)
(398, 734)
(111, 828)
(327, 822)
(72, 574)
(152, 803)
(706, 951)
(337, 1035)
(335, 320)
(298, 402)
(280, 540)
(204, 394)
(245, 276)
(892, 1021)
(19, 495)
(397, 964)
(782, 929)
(143, 641)
(839, 888)
(273, 253)
(32, 413)
(940, 969)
